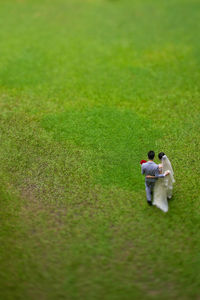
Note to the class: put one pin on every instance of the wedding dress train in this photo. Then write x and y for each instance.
(164, 186)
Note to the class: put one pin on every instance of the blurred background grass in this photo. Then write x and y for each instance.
(86, 89)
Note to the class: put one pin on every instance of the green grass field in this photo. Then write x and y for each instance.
(87, 88)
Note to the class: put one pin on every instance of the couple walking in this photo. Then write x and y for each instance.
(159, 180)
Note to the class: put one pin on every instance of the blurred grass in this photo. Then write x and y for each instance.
(86, 89)
(113, 139)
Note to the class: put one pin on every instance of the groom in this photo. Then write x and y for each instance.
(151, 168)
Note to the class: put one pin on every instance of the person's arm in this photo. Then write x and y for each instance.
(157, 175)
(142, 170)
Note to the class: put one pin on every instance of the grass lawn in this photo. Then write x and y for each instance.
(87, 88)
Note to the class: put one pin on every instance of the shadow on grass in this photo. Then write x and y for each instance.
(112, 140)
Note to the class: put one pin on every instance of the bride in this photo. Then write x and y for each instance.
(163, 186)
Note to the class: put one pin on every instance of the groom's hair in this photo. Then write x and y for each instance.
(160, 155)
(151, 154)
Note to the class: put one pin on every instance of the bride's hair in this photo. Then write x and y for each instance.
(160, 155)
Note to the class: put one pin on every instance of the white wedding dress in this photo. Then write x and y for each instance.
(164, 186)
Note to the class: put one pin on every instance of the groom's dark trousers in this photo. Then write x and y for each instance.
(149, 186)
